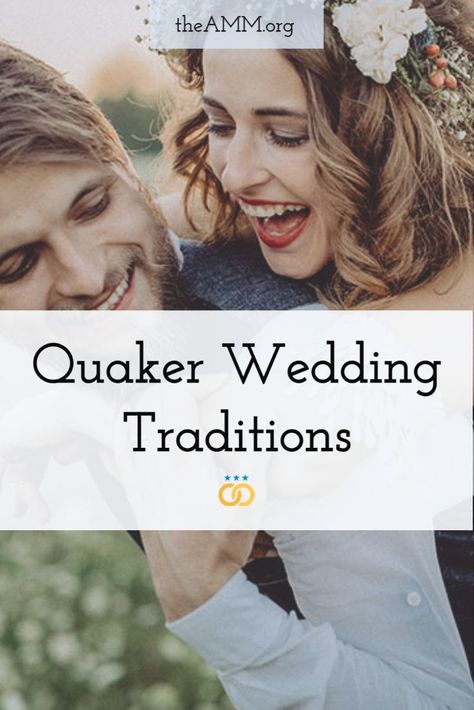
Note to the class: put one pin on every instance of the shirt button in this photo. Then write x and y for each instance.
(413, 599)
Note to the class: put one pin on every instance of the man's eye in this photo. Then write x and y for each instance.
(17, 265)
(94, 209)
(219, 129)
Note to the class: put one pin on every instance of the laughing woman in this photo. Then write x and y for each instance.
(353, 177)
(353, 174)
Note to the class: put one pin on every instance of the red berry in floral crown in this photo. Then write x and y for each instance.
(441, 62)
(451, 81)
(432, 50)
(438, 80)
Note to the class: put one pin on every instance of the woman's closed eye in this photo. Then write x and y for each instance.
(286, 140)
(18, 264)
(220, 129)
(279, 138)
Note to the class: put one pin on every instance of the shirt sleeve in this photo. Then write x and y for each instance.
(270, 660)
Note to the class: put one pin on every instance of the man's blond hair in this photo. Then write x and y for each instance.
(43, 117)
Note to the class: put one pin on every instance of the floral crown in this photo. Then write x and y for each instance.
(390, 37)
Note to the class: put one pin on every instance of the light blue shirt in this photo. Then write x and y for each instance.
(378, 633)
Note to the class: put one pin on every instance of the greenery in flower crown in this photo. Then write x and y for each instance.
(433, 66)
(438, 71)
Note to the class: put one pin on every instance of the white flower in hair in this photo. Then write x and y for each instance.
(378, 33)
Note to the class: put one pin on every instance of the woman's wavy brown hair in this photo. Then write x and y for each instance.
(402, 190)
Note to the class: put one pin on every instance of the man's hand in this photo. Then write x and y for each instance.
(189, 567)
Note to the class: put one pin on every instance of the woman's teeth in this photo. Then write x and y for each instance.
(116, 295)
(264, 211)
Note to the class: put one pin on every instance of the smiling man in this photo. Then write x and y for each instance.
(77, 228)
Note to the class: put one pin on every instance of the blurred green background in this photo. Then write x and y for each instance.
(80, 628)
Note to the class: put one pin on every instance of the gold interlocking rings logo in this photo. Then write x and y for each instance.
(234, 492)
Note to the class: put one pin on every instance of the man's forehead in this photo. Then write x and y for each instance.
(37, 191)
(48, 166)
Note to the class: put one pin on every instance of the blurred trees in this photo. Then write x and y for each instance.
(135, 95)
(80, 629)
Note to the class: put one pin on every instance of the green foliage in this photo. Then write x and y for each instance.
(137, 124)
(80, 629)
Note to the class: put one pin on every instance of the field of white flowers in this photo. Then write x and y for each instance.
(80, 629)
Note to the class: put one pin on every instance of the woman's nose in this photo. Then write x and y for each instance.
(243, 167)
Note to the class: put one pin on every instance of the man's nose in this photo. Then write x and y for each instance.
(243, 167)
(79, 272)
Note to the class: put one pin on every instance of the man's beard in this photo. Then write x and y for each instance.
(130, 258)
